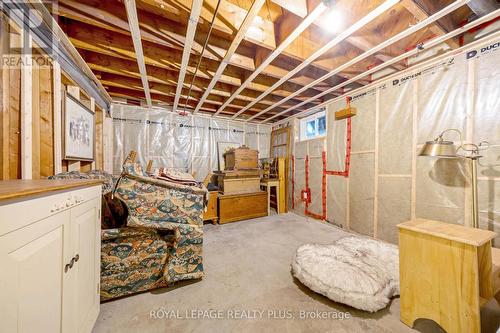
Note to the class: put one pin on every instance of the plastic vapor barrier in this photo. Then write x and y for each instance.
(388, 183)
(171, 140)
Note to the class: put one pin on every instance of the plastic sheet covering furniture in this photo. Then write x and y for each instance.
(357, 271)
(164, 206)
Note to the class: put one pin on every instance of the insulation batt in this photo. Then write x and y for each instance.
(357, 271)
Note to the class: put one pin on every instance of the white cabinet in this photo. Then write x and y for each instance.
(50, 262)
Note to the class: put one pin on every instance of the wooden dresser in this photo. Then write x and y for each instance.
(49, 255)
(239, 207)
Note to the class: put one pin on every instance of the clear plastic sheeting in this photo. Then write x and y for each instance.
(394, 206)
(487, 128)
(363, 124)
(315, 149)
(361, 196)
(441, 104)
(395, 129)
(300, 174)
(459, 91)
(336, 200)
(442, 98)
(187, 143)
(336, 138)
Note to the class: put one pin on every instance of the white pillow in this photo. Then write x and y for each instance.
(356, 271)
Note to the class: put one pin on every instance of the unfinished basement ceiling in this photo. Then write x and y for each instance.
(100, 31)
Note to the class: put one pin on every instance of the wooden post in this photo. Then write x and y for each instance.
(5, 97)
(108, 144)
(26, 107)
(75, 92)
(96, 138)
(57, 105)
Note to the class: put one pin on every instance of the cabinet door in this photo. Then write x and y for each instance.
(85, 274)
(32, 275)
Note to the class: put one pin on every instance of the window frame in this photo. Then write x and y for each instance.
(314, 117)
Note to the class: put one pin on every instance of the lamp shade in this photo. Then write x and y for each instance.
(439, 148)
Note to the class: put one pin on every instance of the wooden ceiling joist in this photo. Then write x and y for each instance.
(426, 45)
(339, 38)
(403, 34)
(191, 30)
(136, 38)
(118, 46)
(282, 62)
(245, 25)
(294, 34)
(421, 14)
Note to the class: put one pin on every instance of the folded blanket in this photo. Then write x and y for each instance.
(176, 176)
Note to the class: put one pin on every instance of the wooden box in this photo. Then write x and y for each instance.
(211, 213)
(345, 113)
(241, 159)
(239, 185)
(242, 206)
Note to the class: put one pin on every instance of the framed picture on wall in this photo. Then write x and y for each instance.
(78, 130)
(222, 147)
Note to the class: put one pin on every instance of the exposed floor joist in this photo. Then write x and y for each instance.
(136, 38)
(245, 25)
(262, 78)
(290, 38)
(428, 21)
(186, 53)
(427, 45)
(336, 40)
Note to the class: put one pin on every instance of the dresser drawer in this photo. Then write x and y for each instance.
(15, 214)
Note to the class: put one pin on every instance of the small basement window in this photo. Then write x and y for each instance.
(313, 127)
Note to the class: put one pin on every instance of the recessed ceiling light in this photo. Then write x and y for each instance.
(332, 21)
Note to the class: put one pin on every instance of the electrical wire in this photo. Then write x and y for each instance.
(201, 56)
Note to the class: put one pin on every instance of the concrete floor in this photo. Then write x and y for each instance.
(247, 269)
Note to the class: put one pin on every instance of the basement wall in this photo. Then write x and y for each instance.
(187, 143)
(388, 183)
(33, 94)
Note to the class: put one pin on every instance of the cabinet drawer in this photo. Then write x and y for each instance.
(18, 214)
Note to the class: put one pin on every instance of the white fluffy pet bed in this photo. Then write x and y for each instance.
(357, 271)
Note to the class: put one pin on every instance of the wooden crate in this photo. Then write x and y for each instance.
(239, 207)
(239, 185)
(211, 213)
(242, 158)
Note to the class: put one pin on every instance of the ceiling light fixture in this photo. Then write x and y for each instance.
(332, 21)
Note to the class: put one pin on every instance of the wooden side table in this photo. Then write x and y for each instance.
(445, 273)
(268, 184)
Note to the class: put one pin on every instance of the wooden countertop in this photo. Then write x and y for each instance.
(454, 232)
(12, 189)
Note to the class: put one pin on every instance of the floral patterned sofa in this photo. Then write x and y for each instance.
(151, 231)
